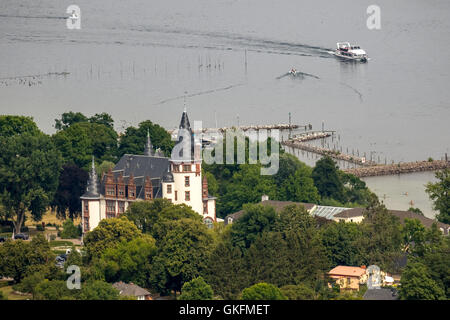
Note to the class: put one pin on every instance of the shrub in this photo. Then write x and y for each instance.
(40, 227)
(70, 231)
(196, 289)
(262, 291)
(298, 292)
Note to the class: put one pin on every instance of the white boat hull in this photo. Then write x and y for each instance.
(362, 59)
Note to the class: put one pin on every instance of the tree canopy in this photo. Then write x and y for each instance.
(29, 170)
(440, 195)
(196, 289)
(262, 291)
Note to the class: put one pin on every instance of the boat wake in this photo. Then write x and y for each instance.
(199, 93)
(298, 74)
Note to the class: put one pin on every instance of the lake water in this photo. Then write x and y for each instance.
(138, 59)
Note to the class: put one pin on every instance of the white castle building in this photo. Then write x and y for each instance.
(150, 176)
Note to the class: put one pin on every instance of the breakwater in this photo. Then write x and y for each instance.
(398, 168)
(308, 136)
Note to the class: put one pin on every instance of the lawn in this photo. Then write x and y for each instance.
(60, 243)
(7, 290)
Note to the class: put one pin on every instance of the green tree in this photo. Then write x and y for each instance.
(68, 119)
(29, 170)
(79, 142)
(340, 240)
(150, 216)
(382, 240)
(109, 233)
(52, 290)
(226, 270)
(129, 261)
(102, 118)
(98, 290)
(246, 186)
(416, 210)
(440, 195)
(16, 257)
(70, 231)
(71, 186)
(413, 234)
(298, 292)
(182, 254)
(104, 167)
(134, 139)
(256, 219)
(355, 190)
(299, 187)
(17, 125)
(416, 284)
(262, 291)
(196, 289)
(327, 180)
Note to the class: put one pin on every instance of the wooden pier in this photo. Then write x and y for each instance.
(327, 152)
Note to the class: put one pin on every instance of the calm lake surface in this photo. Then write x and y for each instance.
(138, 59)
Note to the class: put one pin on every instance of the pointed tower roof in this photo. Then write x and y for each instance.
(185, 126)
(92, 190)
(148, 151)
(184, 123)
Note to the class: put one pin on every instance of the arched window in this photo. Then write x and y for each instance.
(209, 223)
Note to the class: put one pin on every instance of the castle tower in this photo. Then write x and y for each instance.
(186, 168)
(90, 201)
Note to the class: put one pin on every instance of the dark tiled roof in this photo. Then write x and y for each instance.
(350, 213)
(402, 215)
(277, 205)
(427, 222)
(380, 294)
(130, 289)
(141, 166)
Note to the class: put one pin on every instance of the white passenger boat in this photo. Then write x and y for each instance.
(351, 52)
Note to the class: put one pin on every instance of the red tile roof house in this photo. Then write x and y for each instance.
(349, 278)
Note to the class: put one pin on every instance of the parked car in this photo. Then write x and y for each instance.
(2, 239)
(21, 236)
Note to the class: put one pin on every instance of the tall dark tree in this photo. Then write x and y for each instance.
(439, 193)
(327, 180)
(29, 171)
(72, 185)
(103, 118)
(382, 240)
(79, 142)
(226, 271)
(340, 241)
(256, 219)
(246, 186)
(182, 254)
(68, 119)
(134, 139)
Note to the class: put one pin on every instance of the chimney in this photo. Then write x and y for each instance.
(363, 267)
(264, 197)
